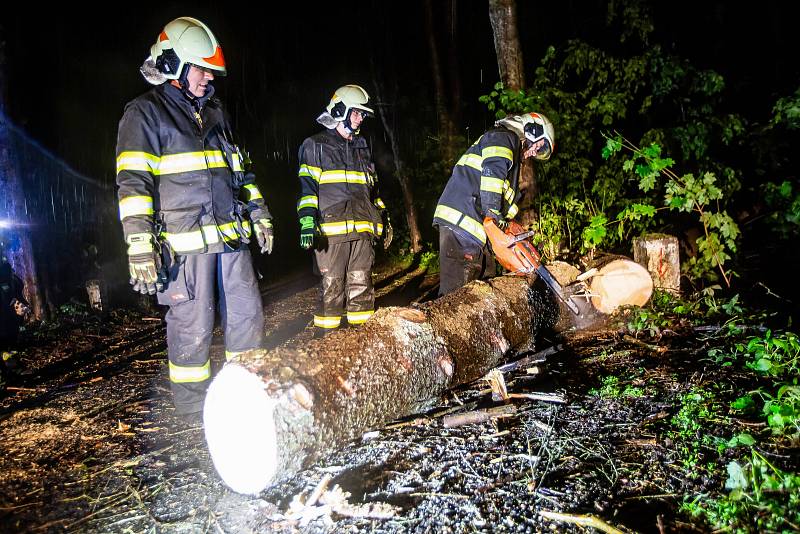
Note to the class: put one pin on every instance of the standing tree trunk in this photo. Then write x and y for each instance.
(15, 239)
(503, 16)
(446, 125)
(400, 170)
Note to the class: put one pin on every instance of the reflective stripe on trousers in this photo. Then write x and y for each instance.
(190, 319)
(346, 270)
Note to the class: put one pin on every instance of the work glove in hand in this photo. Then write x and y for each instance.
(264, 235)
(306, 232)
(144, 264)
(498, 220)
(388, 232)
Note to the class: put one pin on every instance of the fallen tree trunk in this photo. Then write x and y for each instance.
(269, 414)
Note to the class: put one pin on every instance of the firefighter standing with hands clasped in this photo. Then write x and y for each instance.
(189, 208)
(485, 184)
(341, 211)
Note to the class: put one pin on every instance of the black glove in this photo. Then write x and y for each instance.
(144, 264)
(264, 235)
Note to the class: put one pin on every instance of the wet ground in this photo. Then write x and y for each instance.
(89, 442)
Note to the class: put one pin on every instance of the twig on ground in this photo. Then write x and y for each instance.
(537, 357)
(582, 520)
(544, 397)
(637, 342)
(478, 416)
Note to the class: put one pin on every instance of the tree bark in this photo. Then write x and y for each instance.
(270, 414)
(403, 178)
(15, 238)
(503, 16)
(660, 255)
(446, 126)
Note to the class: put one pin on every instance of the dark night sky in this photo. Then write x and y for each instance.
(70, 73)
(70, 70)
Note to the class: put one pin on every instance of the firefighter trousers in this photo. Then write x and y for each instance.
(346, 271)
(461, 260)
(190, 294)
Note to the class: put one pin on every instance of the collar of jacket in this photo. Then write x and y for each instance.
(335, 139)
(179, 97)
(210, 109)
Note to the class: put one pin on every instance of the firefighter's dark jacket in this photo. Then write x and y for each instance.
(338, 187)
(180, 175)
(485, 178)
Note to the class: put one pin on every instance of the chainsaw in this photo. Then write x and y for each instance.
(516, 253)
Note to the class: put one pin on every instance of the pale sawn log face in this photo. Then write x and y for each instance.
(398, 363)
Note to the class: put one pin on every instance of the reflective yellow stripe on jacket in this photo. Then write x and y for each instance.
(207, 235)
(252, 192)
(174, 163)
(345, 227)
(341, 177)
(456, 218)
(310, 171)
(308, 201)
(135, 205)
(476, 161)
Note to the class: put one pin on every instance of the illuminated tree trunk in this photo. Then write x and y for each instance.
(15, 239)
(503, 16)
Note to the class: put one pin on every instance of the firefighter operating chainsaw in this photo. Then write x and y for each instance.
(514, 251)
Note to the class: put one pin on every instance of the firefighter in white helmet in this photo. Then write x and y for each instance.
(485, 183)
(189, 207)
(341, 211)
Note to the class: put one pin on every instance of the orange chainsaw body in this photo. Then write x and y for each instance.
(518, 256)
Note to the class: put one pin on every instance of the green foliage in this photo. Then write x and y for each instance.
(786, 111)
(783, 201)
(761, 497)
(430, 260)
(639, 86)
(688, 194)
(610, 389)
(698, 407)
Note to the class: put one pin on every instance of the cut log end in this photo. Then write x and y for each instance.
(620, 283)
(238, 417)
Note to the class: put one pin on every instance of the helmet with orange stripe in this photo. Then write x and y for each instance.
(536, 133)
(186, 41)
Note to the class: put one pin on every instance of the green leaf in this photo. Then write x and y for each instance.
(743, 403)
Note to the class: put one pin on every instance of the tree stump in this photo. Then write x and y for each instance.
(659, 254)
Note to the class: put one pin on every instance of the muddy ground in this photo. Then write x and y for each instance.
(89, 442)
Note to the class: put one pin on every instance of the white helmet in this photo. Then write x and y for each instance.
(532, 127)
(187, 41)
(346, 99)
